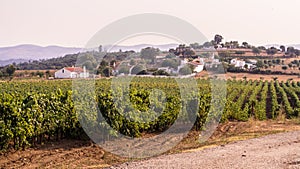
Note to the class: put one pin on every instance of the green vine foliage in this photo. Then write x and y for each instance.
(36, 112)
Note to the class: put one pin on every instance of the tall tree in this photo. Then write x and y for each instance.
(290, 50)
(271, 51)
(10, 70)
(256, 51)
(297, 52)
(100, 49)
(149, 53)
(207, 44)
(137, 69)
(284, 67)
(195, 45)
(245, 44)
(259, 64)
(218, 39)
(262, 48)
(186, 70)
(282, 47)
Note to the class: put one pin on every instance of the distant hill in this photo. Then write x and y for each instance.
(10, 61)
(24, 53)
(34, 52)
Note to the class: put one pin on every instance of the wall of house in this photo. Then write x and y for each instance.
(74, 75)
(199, 68)
(84, 75)
(240, 64)
(62, 74)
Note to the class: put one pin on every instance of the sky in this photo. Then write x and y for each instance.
(72, 23)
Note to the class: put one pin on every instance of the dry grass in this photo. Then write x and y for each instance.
(74, 154)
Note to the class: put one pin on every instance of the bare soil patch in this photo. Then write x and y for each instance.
(275, 151)
(249, 76)
(84, 154)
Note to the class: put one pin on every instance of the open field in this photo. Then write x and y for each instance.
(250, 76)
(240, 76)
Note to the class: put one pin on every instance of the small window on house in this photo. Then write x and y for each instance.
(63, 71)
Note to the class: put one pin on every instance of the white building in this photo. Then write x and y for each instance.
(250, 66)
(71, 72)
(252, 61)
(238, 63)
(199, 68)
(198, 64)
(160, 57)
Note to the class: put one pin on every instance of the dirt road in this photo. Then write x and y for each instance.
(283, 149)
(273, 151)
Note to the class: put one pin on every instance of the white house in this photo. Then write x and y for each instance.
(238, 63)
(160, 57)
(250, 66)
(71, 72)
(252, 61)
(198, 64)
(199, 68)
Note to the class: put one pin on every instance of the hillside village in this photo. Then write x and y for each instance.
(216, 56)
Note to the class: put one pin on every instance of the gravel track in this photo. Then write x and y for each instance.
(268, 152)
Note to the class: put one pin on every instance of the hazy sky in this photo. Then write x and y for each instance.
(74, 22)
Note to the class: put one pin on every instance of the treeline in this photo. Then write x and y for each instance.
(259, 71)
(90, 60)
(46, 64)
(71, 60)
(7, 71)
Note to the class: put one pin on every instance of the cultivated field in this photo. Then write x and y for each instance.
(40, 127)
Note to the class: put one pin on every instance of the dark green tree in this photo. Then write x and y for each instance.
(282, 47)
(259, 64)
(186, 70)
(297, 52)
(271, 51)
(10, 70)
(171, 55)
(284, 67)
(107, 72)
(262, 48)
(195, 46)
(208, 44)
(137, 69)
(218, 39)
(103, 63)
(170, 63)
(161, 73)
(40, 74)
(124, 70)
(132, 62)
(149, 53)
(245, 44)
(256, 51)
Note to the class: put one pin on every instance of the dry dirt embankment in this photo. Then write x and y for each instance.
(281, 150)
(273, 151)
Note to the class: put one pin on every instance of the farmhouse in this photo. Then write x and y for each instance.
(238, 63)
(198, 64)
(71, 72)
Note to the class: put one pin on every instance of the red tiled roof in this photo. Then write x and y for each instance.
(195, 63)
(74, 69)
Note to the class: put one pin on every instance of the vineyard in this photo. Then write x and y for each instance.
(36, 112)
